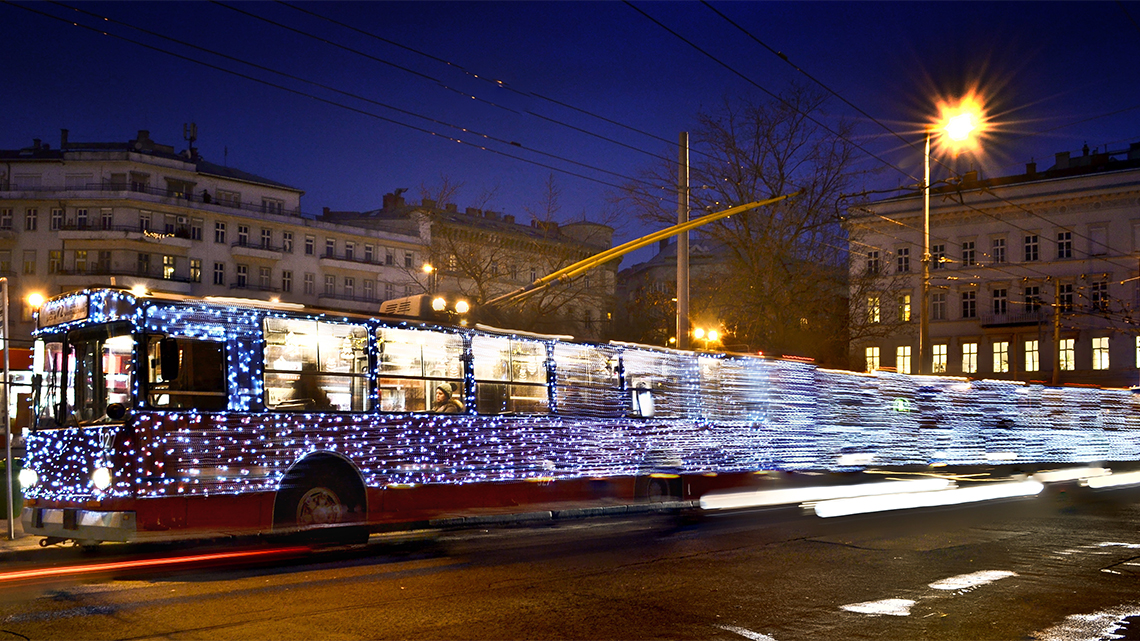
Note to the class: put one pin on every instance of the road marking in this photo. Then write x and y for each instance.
(1098, 626)
(893, 607)
(974, 579)
(746, 633)
(901, 607)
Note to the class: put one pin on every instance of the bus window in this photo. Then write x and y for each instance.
(414, 364)
(510, 375)
(315, 366)
(187, 374)
(85, 374)
(661, 384)
(587, 380)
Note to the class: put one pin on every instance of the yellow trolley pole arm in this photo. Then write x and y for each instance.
(567, 273)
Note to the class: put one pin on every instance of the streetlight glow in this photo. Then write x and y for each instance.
(959, 127)
(35, 300)
(960, 124)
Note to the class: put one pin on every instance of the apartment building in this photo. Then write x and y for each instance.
(1033, 277)
(137, 213)
(483, 254)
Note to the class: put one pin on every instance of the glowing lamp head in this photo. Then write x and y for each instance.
(439, 304)
(102, 478)
(428, 268)
(713, 335)
(35, 300)
(462, 307)
(958, 128)
(139, 290)
(961, 124)
(28, 477)
(699, 332)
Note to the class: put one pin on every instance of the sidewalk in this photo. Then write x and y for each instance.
(20, 543)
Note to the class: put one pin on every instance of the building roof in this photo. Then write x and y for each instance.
(141, 144)
(1065, 165)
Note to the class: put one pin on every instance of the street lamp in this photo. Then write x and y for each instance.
(429, 273)
(958, 124)
(711, 336)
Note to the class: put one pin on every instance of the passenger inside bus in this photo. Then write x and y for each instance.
(445, 401)
(308, 393)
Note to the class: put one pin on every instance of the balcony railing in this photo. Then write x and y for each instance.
(99, 270)
(187, 196)
(1022, 316)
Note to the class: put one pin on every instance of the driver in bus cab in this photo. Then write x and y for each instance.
(445, 403)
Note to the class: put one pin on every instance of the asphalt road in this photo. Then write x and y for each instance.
(1062, 566)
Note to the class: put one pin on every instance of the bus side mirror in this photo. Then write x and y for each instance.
(168, 355)
(116, 411)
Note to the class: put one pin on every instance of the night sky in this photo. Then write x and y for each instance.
(596, 89)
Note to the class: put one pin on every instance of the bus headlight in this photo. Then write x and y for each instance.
(28, 477)
(102, 478)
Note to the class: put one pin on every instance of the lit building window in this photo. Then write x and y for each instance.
(1100, 352)
(874, 312)
(938, 365)
(873, 356)
(902, 359)
(1001, 357)
(904, 308)
(1032, 356)
(969, 358)
(1067, 352)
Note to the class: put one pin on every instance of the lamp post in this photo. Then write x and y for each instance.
(957, 124)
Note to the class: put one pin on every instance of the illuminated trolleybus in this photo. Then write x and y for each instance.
(160, 413)
(167, 414)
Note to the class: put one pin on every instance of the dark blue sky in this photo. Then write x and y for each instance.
(1056, 75)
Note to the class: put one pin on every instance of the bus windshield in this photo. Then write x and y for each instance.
(85, 372)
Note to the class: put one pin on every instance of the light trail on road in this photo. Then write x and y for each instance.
(95, 568)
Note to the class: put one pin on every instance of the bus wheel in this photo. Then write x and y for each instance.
(658, 490)
(319, 502)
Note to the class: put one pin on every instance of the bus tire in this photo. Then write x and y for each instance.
(318, 501)
(658, 490)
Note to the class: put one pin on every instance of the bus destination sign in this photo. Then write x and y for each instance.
(63, 310)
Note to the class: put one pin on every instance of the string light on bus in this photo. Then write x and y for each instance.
(770, 415)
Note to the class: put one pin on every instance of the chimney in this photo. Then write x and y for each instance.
(452, 207)
(36, 143)
(1134, 151)
(428, 203)
(970, 176)
(1062, 160)
(62, 138)
(324, 211)
(389, 202)
(1031, 168)
(509, 218)
(472, 211)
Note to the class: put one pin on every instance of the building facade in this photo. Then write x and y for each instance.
(139, 214)
(1033, 277)
(483, 254)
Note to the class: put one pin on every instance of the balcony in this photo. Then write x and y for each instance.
(353, 262)
(257, 250)
(350, 303)
(115, 277)
(116, 190)
(94, 231)
(1017, 317)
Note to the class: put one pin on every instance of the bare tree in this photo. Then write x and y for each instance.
(784, 284)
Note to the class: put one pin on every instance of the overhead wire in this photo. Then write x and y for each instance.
(337, 104)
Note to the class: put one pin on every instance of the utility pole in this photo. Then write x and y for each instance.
(1056, 332)
(683, 243)
(11, 515)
